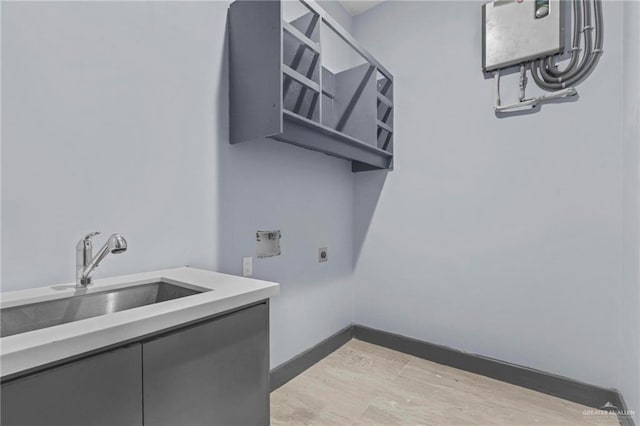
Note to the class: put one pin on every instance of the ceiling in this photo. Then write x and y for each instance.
(356, 7)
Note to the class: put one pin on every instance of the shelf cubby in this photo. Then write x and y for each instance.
(298, 77)
(301, 97)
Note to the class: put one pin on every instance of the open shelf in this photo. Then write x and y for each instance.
(301, 78)
(301, 99)
(333, 96)
(332, 142)
(314, 46)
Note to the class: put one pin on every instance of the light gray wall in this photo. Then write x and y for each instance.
(338, 12)
(497, 236)
(108, 125)
(630, 294)
(115, 118)
(267, 186)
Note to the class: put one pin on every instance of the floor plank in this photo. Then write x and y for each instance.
(365, 384)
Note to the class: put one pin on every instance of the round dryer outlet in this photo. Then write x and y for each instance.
(323, 254)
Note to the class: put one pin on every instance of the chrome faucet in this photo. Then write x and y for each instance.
(86, 263)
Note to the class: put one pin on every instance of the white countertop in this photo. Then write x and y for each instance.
(31, 349)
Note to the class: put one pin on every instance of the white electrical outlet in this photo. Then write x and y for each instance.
(247, 266)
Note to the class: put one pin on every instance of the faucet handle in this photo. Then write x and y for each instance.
(90, 235)
(86, 240)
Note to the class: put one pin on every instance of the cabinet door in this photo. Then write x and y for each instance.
(215, 373)
(104, 389)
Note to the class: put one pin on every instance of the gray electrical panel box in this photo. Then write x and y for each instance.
(518, 31)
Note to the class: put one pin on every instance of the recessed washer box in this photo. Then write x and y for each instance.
(518, 31)
(268, 243)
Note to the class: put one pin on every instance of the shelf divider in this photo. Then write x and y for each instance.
(385, 126)
(383, 99)
(300, 36)
(300, 78)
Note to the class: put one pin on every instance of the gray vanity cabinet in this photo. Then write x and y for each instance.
(213, 373)
(104, 389)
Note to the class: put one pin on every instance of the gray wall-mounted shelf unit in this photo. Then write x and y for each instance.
(298, 77)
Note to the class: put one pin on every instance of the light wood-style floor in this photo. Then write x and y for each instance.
(364, 384)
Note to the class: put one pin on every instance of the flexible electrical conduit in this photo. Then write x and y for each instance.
(543, 71)
(575, 46)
